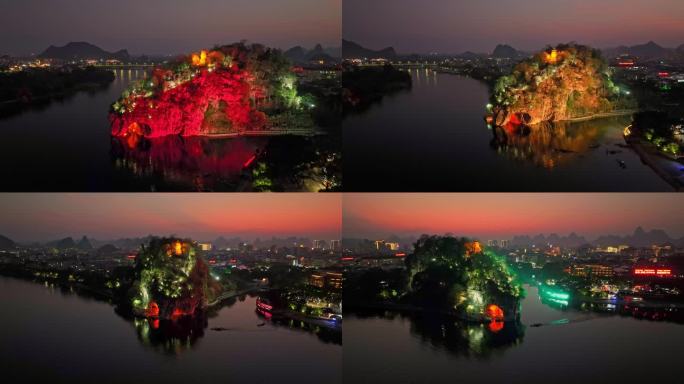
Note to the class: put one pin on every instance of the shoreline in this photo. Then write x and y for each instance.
(93, 86)
(265, 133)
(621, 112)
(657, 162)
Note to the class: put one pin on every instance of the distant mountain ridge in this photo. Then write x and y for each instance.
(351, 50)
(639, 238)
(300, 54)
(81, 50)
(647, 51)
(6, 243)
(506, 51)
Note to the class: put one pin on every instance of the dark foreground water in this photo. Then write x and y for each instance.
(47, 335)
(66, 145)
(434, 138)
(571, 346)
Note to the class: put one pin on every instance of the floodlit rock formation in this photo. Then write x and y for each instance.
(171, 281)
(461, 275)
(562, 83)
(227, 90)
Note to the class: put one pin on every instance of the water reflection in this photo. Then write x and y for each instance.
(668, 313)
(552, 144)
(170, 337)
(175, 337)
(457, 337)
(324, 334)
(199, 162)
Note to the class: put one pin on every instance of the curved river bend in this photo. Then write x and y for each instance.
(433, 138)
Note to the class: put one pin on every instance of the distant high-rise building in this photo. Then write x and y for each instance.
(205, 246)
(392, 246)
(335, 245)
(492, 243)
(504, 243)
(319, 244)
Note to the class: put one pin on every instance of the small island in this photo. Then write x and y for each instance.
(453, 276)
(171, 281)
(565, 83)
(226, 91)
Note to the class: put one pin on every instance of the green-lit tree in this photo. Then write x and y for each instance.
(458, 274)
(170, 279)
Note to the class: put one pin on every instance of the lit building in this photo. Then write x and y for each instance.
(319, 244)
(335, 245)
(590, 270)
(205, 246)
(326, 279)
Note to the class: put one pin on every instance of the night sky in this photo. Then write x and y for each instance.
(202, 216)
(502, 215)
(167, 26)
(448, 26)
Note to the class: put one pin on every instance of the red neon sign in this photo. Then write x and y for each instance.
(663, 74)
(348, 258)
(653, 271)
(400, 254)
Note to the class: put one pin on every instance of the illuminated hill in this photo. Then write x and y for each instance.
(226, 90)
(462, 275)
(563, 83)
(171, 281)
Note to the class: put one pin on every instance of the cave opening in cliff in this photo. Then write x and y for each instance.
(152, 309)
(494, 312)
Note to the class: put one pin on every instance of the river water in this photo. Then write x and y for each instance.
(571, 346)
(66, 146)
(434, 138)
(51, 335)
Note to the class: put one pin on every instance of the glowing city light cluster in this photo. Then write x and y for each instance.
(653, 271)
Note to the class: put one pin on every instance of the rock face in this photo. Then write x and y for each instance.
(557, 84)
(464, 277)
(171, 281)
(222, 91)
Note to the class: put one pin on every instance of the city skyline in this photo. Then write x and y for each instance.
(168, 27)
(502, 216)
(47, 217)
(478, 26)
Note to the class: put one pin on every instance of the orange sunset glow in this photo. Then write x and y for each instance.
(505, 214)
(46, 216)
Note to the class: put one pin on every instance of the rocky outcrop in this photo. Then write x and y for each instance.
(171, 280)
(227, 90)
(562, 83)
